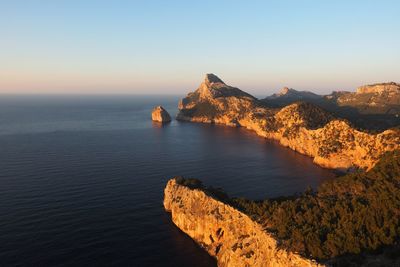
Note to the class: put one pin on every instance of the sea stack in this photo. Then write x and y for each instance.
(159, 114)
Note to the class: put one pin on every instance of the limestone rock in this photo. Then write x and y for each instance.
(159, 114)
(227, 234)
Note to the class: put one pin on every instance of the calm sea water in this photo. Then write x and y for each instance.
(82, 178)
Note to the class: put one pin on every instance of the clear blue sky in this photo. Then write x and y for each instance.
(166, 47)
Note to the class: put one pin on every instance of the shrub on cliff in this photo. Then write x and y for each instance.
(359, 211)
(192, 183)
(202, 109)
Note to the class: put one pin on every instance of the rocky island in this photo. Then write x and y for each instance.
(159, 114)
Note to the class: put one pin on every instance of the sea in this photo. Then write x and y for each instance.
(82, 178)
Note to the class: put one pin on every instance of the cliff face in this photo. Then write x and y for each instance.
(224, 232)
(303, 127)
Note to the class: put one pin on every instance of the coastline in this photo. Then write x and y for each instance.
(226, 233)
(306, 128)
(306, 143)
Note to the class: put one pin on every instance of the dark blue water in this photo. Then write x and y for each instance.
(82, 178)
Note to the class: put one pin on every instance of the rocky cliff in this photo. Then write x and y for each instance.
(224, 232)
(303, 127)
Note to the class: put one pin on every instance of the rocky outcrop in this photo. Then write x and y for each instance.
(225, 233)
(159, 114)
(379, 88)
(303, 127)
(380, 98)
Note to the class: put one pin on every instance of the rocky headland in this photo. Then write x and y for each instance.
(349, 221)
(338, 225)
(227, 234)
(304, 127)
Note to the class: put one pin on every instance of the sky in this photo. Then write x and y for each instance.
(166, 47)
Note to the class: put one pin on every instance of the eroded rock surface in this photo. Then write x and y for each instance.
(303, 127)
(159, 114)
(229, 235)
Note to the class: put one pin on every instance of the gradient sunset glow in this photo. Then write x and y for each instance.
(165, 47)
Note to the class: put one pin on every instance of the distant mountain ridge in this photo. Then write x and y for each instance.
(289, 93)
(380, 98)
(375, 106)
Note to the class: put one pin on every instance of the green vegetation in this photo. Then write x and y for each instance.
(358, 211)
(346, 216)
(331, 145)
(205, 109)
(192, 183)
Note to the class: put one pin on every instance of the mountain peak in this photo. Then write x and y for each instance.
(213, 87)
(212, 78)
(285, 90)
(290, 93)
